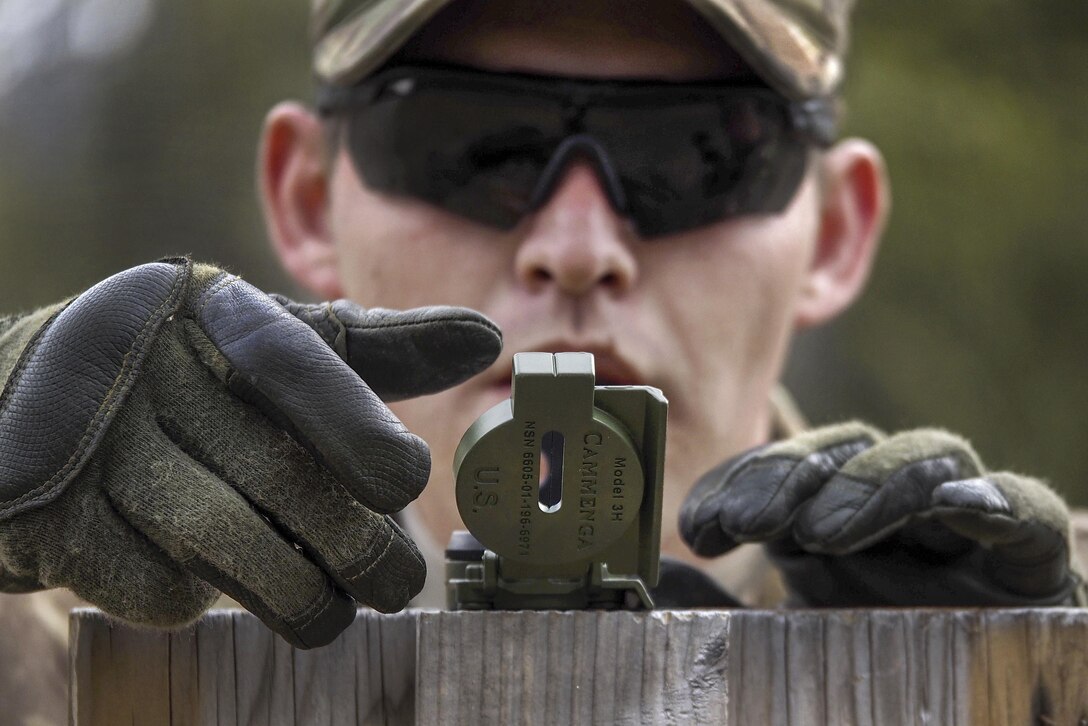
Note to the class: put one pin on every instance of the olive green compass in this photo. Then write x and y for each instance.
(560, 487)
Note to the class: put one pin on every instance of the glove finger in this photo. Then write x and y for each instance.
(374, 561)
(699, 525)
(402, 354)
(367, 554)
(880, 490)
(284, 368)
(211, 530)
(13, 584)
(763, 497)
(755, 497)
(364, 552)
(104, 561)
(1023, 522)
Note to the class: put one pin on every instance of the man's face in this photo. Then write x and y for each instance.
(704, 315)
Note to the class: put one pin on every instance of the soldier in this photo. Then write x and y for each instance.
(659, 183)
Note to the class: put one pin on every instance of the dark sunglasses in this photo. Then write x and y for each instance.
(493, 146)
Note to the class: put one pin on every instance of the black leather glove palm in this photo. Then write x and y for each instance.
(856, 519)
(174, 432)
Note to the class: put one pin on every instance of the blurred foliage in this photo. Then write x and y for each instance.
(975, 319)
(146, 155)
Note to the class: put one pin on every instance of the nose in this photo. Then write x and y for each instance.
(576, 241)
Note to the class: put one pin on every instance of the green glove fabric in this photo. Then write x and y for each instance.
(174, 432)
(854, 518)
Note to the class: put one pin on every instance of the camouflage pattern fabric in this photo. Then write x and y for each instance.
(797, 46)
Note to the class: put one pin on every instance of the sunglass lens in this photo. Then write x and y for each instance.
(476, 154)
(674, 159)
(686, 165)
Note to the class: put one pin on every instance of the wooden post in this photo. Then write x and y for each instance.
(229, 669)
(873, 667)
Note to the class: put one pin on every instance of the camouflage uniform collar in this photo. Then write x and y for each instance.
(787, 420)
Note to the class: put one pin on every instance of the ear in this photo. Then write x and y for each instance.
(855, 203)
(293, 169)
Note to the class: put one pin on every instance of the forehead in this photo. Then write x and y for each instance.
(610, 38)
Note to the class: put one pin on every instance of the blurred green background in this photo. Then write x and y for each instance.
(128, 132)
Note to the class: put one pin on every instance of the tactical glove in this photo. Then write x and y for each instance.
(174, 432)
(854, 518)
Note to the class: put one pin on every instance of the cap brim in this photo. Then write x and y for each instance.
(788, 49)
(359, 45)
(795, 52)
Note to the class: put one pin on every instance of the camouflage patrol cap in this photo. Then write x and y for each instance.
(797, 46)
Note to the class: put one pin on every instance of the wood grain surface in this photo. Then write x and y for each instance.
(866, 667)
(230, 670)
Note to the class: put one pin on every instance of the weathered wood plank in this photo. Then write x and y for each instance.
(668, 667)
(215, 668)
(86, 668)
(846, 698)
(184, 678)
(557, 655)
(143, 666)
(935, 641)
(757, 669)
(395, 660)
(805, 669)
(707, 668)
(587, 667)
(1029, 666)
(1060, 645)
(135, 688)
(889, 658)
(253, 671)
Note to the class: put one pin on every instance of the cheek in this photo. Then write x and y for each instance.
(386, 267)
(401, 254)
(773, 287)
(770, 270)
(741, 284)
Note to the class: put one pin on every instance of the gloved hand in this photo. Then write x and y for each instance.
(174, 431)
(854, 518)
